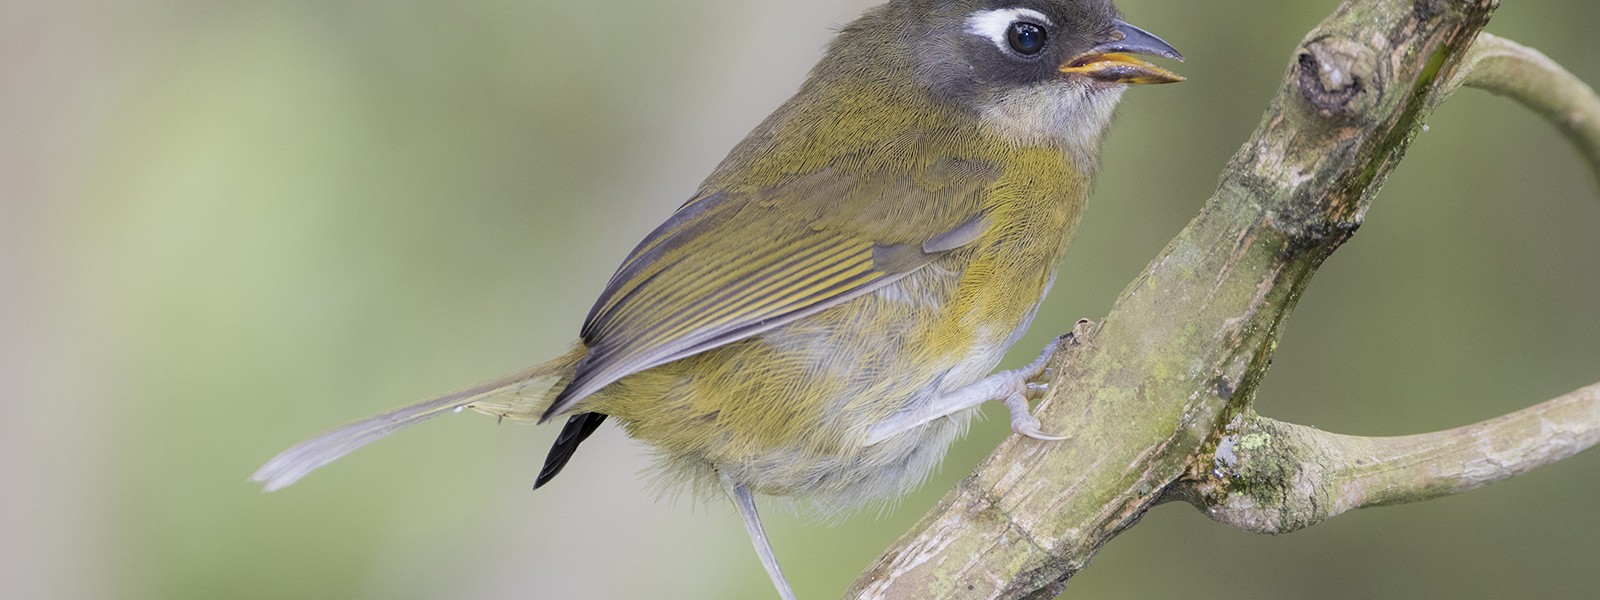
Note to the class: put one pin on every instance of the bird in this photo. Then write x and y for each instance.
(821, 318)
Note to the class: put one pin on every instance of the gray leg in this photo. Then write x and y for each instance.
(746, 502)
(1010, 387)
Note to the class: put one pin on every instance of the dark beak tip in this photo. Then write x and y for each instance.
(1136, 40)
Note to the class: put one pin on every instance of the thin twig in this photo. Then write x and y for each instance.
(1528, 76)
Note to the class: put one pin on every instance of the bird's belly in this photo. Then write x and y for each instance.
(787, 412)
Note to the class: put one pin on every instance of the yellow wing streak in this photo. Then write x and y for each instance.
(764, 299)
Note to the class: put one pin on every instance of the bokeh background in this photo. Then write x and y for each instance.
(226, 226)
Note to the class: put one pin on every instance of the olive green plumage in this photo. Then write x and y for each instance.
(831, 203)
(787, 409)
(857, 265)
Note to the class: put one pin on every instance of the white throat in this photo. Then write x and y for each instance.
(1071, 115)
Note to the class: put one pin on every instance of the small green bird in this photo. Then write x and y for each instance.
(818, 320)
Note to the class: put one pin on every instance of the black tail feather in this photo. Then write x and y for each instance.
(578, 428)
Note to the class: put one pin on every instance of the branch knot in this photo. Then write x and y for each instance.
(1339, 78)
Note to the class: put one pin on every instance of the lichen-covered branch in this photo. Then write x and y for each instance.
(1268, 476)
(1528, 76)
(1272, 477)
(1186, 344)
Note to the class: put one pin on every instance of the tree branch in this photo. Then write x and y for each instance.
(1273, 477)
(1268, 476)
(1158, 399)
(1183, 349)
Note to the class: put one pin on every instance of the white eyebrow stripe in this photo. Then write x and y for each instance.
(994, 23)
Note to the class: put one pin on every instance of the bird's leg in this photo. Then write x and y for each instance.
(1011, 387)
(746, 502)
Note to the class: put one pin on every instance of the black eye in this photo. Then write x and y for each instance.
(1026, 38)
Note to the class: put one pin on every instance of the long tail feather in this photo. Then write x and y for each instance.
(292, 464)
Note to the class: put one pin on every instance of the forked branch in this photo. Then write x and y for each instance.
(1273, 477)
(1167, 380)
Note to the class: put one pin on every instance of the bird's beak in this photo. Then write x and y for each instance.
(1114, 62)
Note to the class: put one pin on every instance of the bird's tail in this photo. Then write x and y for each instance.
(501, 397)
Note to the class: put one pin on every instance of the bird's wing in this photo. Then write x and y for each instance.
(731, 264)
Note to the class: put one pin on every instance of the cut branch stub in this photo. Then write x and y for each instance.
(1339, 78)
(1356, 94)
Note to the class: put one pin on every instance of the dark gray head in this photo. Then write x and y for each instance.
(1035, 71)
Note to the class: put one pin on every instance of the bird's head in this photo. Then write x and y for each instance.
(1031, 71)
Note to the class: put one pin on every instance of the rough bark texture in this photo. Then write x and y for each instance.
(1156, 384)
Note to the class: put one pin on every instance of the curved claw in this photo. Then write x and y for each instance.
(1030, 427)
(1024, 423)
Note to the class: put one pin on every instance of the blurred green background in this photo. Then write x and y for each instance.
(226, 226)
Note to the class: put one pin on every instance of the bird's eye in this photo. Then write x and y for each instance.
(1026, 38)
